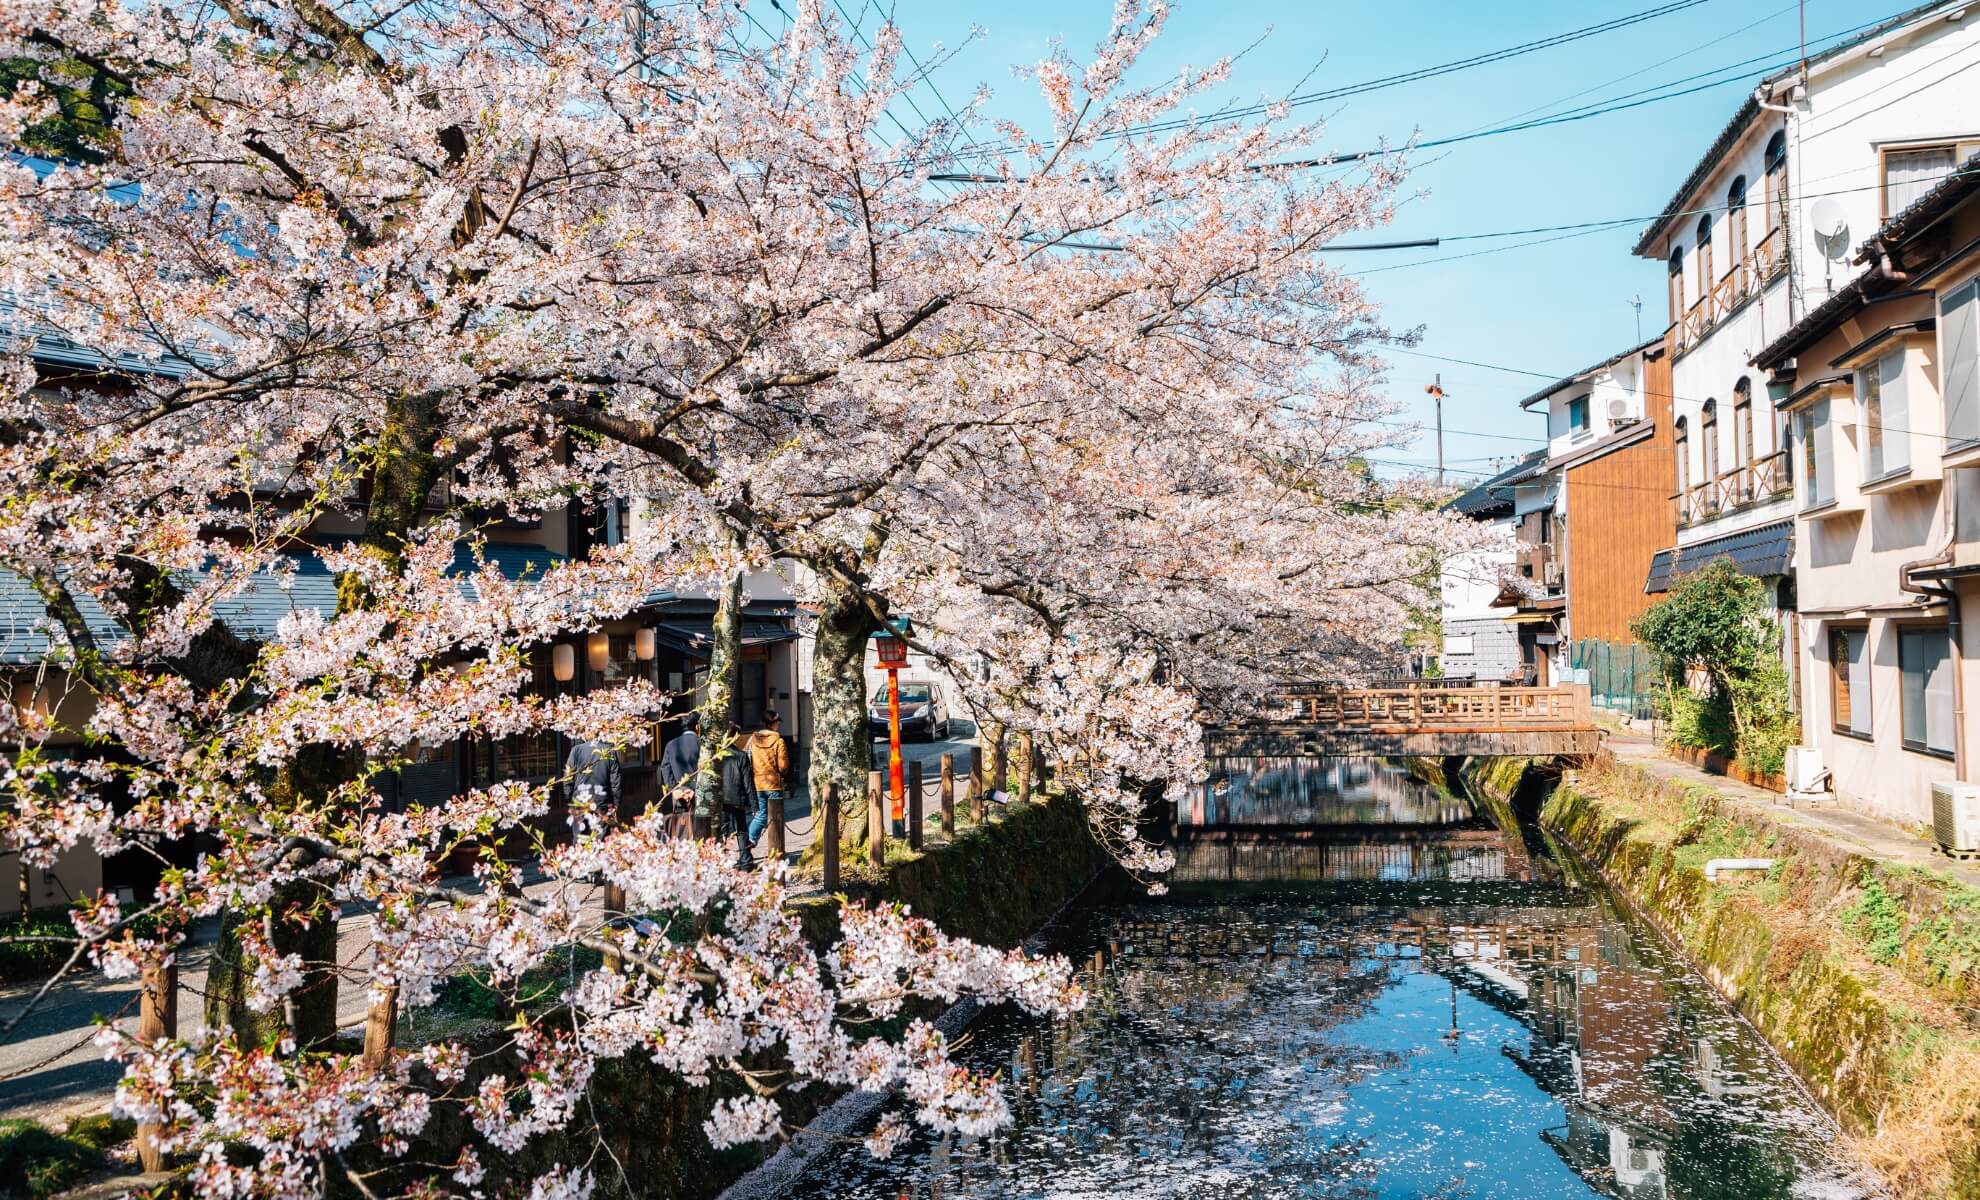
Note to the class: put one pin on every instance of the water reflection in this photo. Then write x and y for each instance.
(1433, 1036)
(1315, 792)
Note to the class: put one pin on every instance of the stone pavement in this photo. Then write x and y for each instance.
(1858, 832)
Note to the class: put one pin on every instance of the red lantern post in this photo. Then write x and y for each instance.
(892, 650)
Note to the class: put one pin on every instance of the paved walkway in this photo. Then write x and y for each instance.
(49, 1070)
(1857, 831)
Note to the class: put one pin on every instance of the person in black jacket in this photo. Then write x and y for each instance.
(679, 760)
(738, 795)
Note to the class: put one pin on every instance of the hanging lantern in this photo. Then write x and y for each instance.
(563, 662)
(645, 645)
(598, 651)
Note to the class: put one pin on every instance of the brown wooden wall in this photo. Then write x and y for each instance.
(1619, 516)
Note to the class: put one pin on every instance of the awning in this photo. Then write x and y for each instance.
(1763, 551)
(1532, 618)
(697, 639)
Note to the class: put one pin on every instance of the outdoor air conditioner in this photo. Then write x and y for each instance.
(1956, 816)
(1805, 773)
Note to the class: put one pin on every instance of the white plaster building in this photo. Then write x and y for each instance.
(1853, 134)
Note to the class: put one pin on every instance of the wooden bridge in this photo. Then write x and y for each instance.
(1431, 722)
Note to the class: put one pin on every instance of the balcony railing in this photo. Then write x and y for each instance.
(1761, 480)
(1752, 272)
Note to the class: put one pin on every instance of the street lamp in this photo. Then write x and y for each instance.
(891, 648)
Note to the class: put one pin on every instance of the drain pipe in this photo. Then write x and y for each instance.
(1713, 868)
(1955, 628)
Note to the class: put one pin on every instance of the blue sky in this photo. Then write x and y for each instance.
(1550, 308)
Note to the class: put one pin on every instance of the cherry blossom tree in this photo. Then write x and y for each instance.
(398, 272)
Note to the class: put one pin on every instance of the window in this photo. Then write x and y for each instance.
(1909, 174)
(1677, 284)
(1818, 461)
(1959, 363)
(1577, 415)
(1776, 160)
(1458, 643)
(1849, 680)
(1708, 443)
(1744, 451)
(1705, 276)
(1683, 457)
(1880, 398)
(1925, 693)
(1736, 244)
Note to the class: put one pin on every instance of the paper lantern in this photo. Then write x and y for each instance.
(645, 645)
(563, 662)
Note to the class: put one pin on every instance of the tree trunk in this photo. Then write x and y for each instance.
(841, 751)
(718, 706)
(304, 915)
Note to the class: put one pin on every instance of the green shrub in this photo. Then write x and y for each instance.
(37, 1161)
(1876, 918)
(1715, 620)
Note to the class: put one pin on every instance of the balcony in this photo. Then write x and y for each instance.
(1754, 270)
(1538, 566)
(1757, 482)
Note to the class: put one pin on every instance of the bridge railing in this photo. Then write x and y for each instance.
(1435, 709)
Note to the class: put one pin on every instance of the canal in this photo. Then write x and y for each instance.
(1357, 987)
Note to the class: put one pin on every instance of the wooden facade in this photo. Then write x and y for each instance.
(1619, 516)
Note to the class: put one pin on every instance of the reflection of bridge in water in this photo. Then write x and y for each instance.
(1528, 936)
(1366, 853)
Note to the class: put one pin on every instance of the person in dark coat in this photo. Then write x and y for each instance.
(738, 795)
(596, 781)
(679, 760)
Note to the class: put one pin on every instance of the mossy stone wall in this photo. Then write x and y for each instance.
(1878, 1043)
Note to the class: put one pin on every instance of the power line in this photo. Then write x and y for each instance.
(1623, 103)
(1388, 81)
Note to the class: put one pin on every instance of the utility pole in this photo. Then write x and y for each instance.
(1436, 391)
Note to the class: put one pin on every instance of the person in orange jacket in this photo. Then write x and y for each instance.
(770, 759)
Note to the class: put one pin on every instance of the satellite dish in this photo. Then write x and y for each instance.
(1830, 225)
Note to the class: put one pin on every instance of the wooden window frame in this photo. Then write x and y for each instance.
(1681, 438)
(1743, 423)
(1706, 277)
(1839, 689)
(1675, 265)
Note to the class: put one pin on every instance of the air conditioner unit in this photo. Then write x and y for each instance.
(1956, 816)
(1804, 770)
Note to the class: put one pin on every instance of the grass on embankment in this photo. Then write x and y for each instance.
(1864, 976)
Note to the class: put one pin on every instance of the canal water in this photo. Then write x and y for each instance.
(1357, 988)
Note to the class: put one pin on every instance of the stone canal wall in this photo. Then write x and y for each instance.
(995, 883)
(1862, 975)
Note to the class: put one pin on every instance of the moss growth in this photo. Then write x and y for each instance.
(39, 1161)
(1828, 955)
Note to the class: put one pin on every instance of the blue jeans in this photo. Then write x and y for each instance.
(761, 817)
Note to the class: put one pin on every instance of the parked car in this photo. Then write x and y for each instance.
(924, 714)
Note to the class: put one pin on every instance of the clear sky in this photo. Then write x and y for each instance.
(1548, 308)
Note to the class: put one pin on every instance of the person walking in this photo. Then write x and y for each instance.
(738, 779)
(680, 758)
(596, 783)
(770, 764)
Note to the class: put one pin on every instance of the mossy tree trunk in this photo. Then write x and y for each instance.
(841, 751)
(302, 917)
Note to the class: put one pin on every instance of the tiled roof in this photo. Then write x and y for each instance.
(1495, 493)
(1748, 109)
(1765, 550)
(1869, 285)
(255, 613)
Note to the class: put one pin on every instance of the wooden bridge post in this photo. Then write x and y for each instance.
(948, 792)
(828, 829)
(914, 815)
(876, 819)
(158, 1017)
